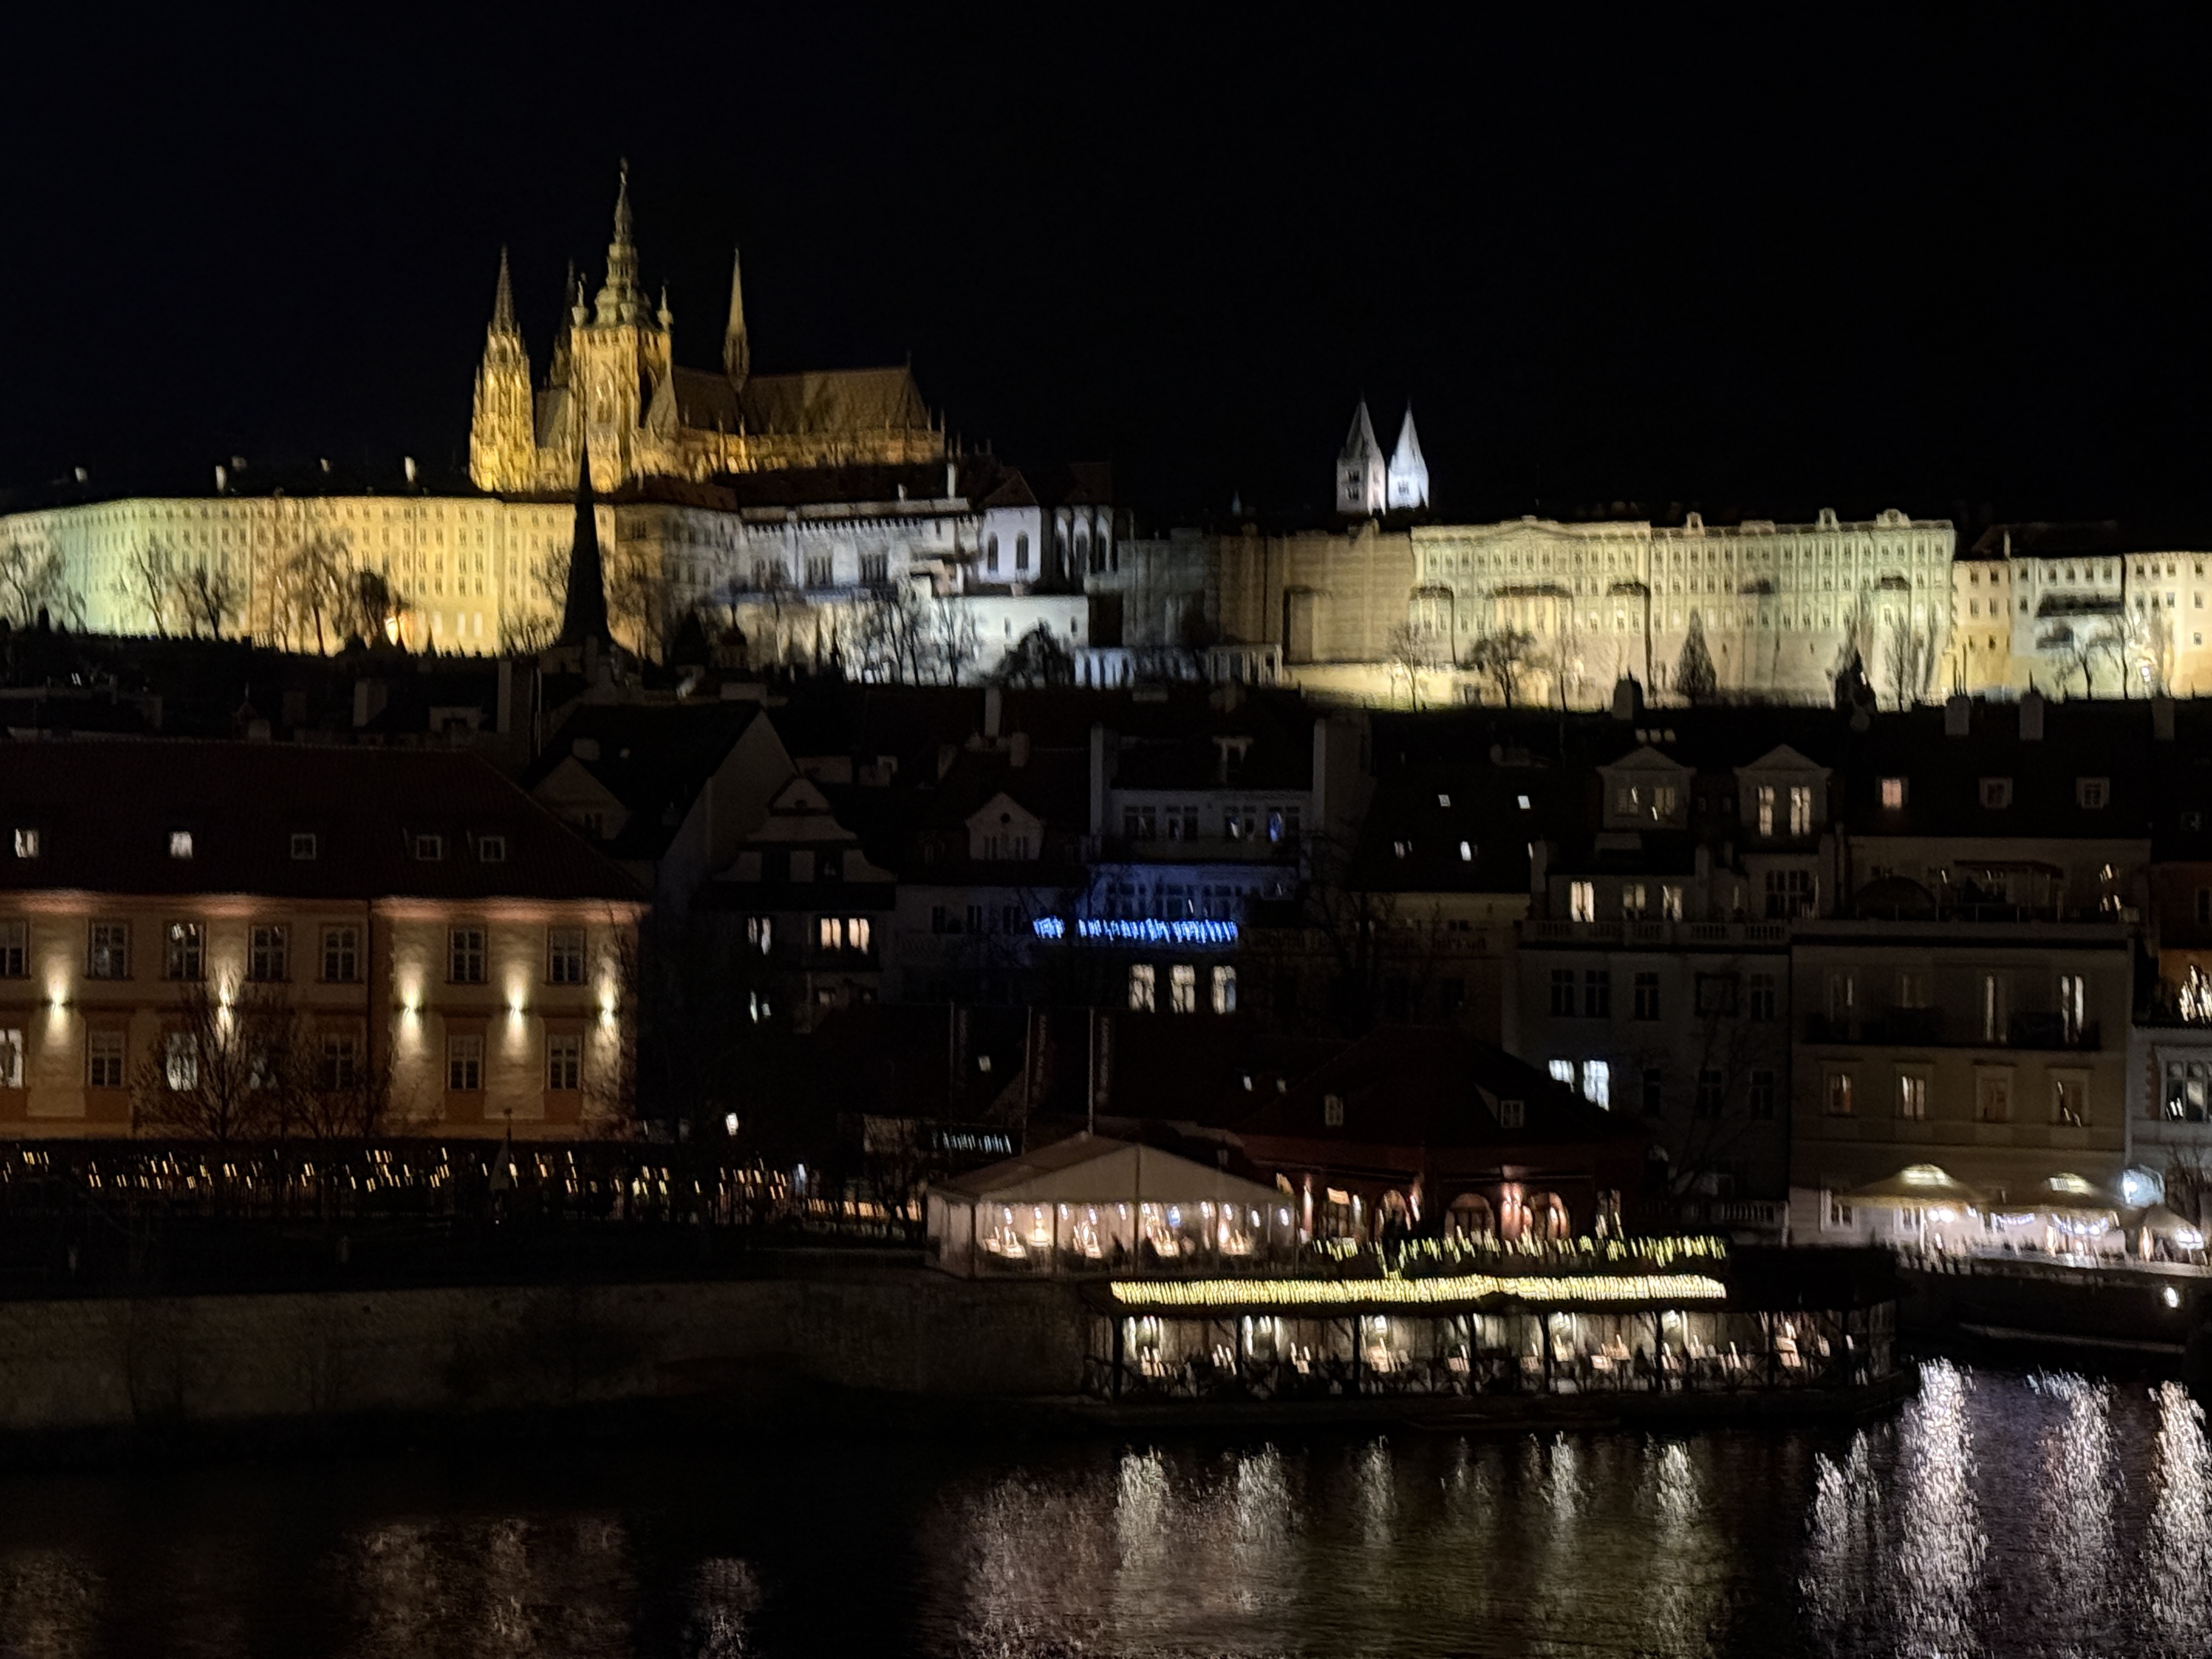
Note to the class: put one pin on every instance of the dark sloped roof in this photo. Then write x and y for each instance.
(106, 810)
(653, 758)
(1424, 1087)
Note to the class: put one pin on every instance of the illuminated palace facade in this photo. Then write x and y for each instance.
(778, 502)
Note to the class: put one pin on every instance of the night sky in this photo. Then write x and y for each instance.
(1851, 265)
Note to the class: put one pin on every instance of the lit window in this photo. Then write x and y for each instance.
(2069, 1101)
(1597, 1083)
(1912, 1097)
(303, 847)
(1766, 809)
(1467, 852)
(1563, 1071)
(180, 1061)
(180, 843)
(1582, 901)
(1839, 1102)
(1182, 988)
(831, 932)
(1523, 801)
(1800, 809)
(1141, 980)
(465, 1064)
(1224, 990)
(1892, 794)
(1632, 899)
(760, 931)
(564, 1060)
(26, 843)
(1670, 902)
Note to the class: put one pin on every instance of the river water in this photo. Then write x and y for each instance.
(1998, 1514)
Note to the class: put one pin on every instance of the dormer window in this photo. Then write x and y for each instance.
(2092, 792)
(180, 843)
(303, 847)
(1996, 794)
(491, 849)
(26, 843)
(1893, 794)
(1801, 809)
(430, 849)
(1766, 810)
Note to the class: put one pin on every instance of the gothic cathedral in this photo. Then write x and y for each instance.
(615, 389)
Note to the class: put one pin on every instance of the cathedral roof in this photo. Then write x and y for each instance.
(834, 400)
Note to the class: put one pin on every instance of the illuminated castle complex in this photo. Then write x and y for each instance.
(614, 385)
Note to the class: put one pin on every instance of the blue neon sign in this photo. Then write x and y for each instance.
(1141, 930)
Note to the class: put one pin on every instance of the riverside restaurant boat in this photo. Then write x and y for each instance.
(1455, 1317)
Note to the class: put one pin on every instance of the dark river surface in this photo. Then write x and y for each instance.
(1998, 1514)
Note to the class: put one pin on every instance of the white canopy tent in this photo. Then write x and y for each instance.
(1089, 1205)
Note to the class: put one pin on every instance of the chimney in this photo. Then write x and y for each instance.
(1539, 860)
(1958, 716)
(1627, 699)
(505, 696)
(2031, 718)
(1017, 749)
(2161, 718)
(994, 711)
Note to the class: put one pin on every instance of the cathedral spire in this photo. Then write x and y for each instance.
(619, 299)
(1361, 472)
(502, 300)
(584, 605)
(737, 350)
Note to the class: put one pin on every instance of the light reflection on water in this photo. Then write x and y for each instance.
(1997, 1515)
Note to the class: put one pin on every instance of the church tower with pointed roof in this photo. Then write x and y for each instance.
(502, 436)
(1407, 488)
(1362, 474)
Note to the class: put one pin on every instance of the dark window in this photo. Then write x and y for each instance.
(1655, 1093)
(1716, 994)
(1711, 1092)
(341, 955)
(466, 957)
(1762, 1093)
(564, 955)
(269, 954)
(1562, 991)
(1597, 994)
(1762, 996)
(1647, 996)
(184, 951)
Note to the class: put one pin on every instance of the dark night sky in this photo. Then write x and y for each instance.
(1854, 264)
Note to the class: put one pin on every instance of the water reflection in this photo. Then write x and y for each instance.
(1996, 1515)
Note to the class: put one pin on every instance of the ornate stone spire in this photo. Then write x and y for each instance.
(737, 350)
(1409, 472)
(620, 300)
(584, 605)
(502, 300)
(1361, 471)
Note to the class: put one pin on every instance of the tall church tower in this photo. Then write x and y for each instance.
(502, 435)
(1362, 477)
(737, 348)
(1408, 487)
(619, 353)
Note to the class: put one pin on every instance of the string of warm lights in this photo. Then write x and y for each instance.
(1416, 1256)
(1416, 1292)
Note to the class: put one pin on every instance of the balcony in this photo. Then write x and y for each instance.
(1636, 931)
(1926, 1028)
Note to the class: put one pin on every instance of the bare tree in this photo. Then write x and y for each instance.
(2075, 653)
(638, 597)
(33, 579)
(337, 1088)
(312, 584)
(209, 596)
(1410, 650)
(1728, 1051)
(1040, 657)
(1910, 656)
(222, 1069)
(369, 604)
(891, 635)
(1501, 659)
(953, 639)
(148, 582)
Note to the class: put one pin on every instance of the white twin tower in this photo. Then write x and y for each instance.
(1367, 484)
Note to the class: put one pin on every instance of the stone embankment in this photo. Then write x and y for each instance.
(133, 1369)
